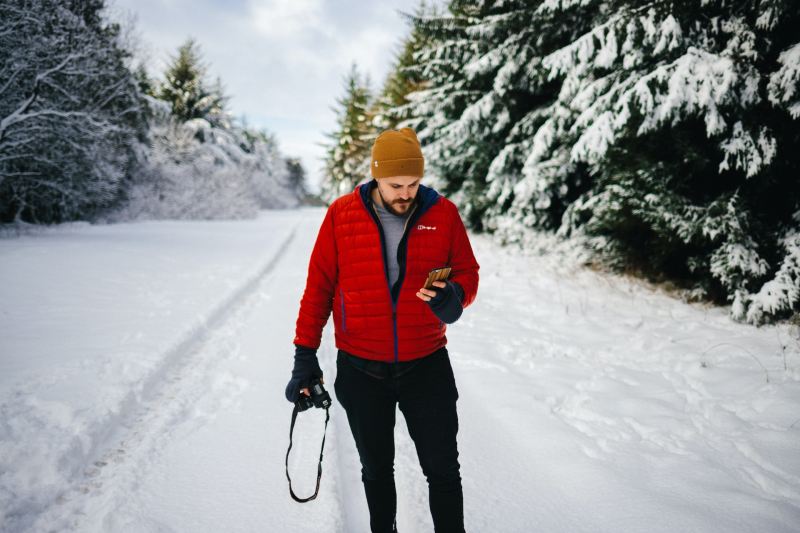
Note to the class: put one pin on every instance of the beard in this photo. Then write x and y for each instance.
(396, 207)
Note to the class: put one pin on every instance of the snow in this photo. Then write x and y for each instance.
(784, 82)
(669, 35)
(783, 291)
(484, 64)
(748, 154)
(607, 53)
(143, 367)
(696, 83)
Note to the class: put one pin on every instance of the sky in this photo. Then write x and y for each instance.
(281, 62)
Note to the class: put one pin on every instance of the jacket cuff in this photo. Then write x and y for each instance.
(447, 303)
(304, 352)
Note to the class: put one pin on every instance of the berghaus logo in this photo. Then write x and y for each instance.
(421, 227)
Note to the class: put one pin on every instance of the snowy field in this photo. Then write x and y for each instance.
(142, 369)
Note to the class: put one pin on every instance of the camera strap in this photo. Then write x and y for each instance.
(319, 466)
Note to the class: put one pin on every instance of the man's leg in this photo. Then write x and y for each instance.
(370, 406)
(428, 397)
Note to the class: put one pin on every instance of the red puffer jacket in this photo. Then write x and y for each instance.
(347, 274)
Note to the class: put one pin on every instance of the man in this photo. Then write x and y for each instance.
(369, 264)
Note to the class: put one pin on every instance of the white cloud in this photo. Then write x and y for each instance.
(279, 19)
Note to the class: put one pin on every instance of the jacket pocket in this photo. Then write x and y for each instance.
(344, 314)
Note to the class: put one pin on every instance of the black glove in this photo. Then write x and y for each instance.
(306, 369)
(446, 305)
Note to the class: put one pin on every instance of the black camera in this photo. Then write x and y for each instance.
(319, 397)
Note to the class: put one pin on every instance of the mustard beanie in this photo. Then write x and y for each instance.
(397, 153)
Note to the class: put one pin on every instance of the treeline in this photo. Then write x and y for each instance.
(86, 136)
(662, 134)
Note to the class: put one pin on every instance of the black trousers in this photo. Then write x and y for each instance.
(426, 393)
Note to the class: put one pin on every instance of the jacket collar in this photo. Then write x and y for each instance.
(426, 196)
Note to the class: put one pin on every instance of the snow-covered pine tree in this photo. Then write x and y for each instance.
(694, 174)
(147, 85)
(453, 161)
(297, 177)
(390, 106)
(348, 153)
(186, 89)
(70, 112)
(497, 95)
(521, 97)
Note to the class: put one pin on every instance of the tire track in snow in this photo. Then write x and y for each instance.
(167, 399)
(347, 465)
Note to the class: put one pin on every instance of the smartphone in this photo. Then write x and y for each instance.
(437, 274)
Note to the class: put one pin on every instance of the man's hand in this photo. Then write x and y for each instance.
(307, 392)
(428, 294)
(306, 368)
(444, 301)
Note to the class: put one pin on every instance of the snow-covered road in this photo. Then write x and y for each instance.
(143, 368)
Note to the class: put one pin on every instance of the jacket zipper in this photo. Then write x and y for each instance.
(376, 218)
